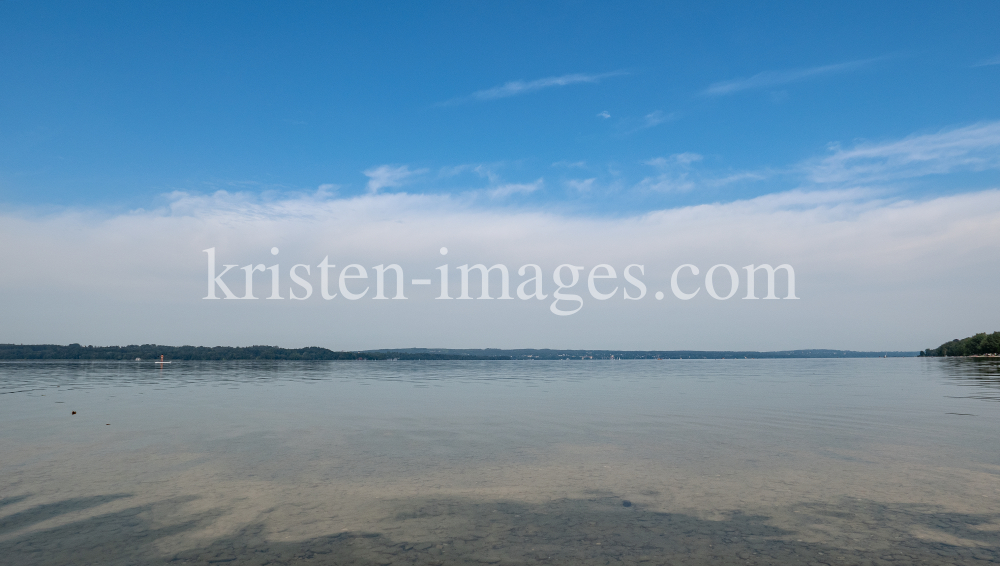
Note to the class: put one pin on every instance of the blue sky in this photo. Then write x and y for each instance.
(585, 107)
(857, 142)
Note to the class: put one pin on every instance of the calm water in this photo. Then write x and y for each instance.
(867, 461)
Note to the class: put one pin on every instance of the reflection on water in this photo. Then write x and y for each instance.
(981, 374)
(870, 461)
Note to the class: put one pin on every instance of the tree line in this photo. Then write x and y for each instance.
(979, 345)
(154, 351)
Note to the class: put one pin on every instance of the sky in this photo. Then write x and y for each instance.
(857, 142)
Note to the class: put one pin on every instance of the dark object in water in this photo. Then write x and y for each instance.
(107, 424)
(74, 412)
(626, 503)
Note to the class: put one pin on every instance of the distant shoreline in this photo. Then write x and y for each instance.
(152, 352)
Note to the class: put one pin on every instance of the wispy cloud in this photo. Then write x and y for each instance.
(881, 167)
(389, 176)
(683, 159)
(581, 185)
(483, 170)
(887, 167)
(604, 114)
(655, 118)
(678, 173)
(631, 125)
(970, 148)
(739, 177)
(674, 173)
(487, 171)
(509, 189)
(327, 190)
(515, 88)
(988, 62)
(664, 183)
(774, 78)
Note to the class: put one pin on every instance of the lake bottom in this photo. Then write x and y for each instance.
(672, 462)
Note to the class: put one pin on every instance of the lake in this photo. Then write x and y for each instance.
(789, 461)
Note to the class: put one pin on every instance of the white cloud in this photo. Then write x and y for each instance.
(667, 183)
(773, 78)
(988, 62)
(389, 176)
(482, 170)
(682, 159)
(738, 177)
(874, 270)
(509, 189)
(674, 174)
(488, 172)
(327, 190)
(515, 88)
(885, 166)
(581, 185)
(604, 114)
(872, 273)
(969, 148)
(656, 118)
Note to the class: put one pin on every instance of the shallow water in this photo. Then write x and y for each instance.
(861, 461)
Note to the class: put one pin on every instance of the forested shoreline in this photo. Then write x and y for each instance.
(981, 344)
(153, 352)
